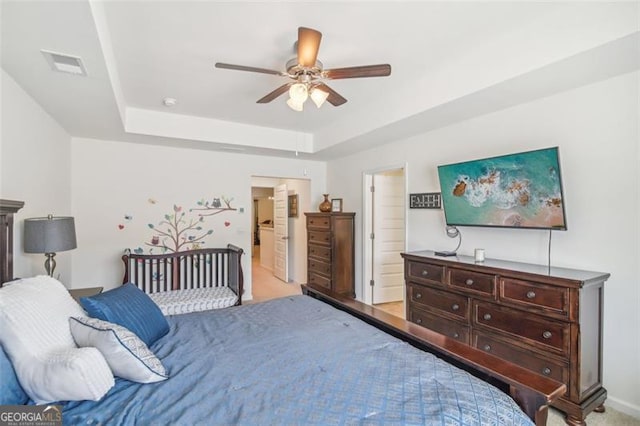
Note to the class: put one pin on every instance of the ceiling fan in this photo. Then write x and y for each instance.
(308, 76)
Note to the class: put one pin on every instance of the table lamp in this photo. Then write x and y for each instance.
(49, 235)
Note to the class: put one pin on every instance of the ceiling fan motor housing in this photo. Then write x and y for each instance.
(294, 69)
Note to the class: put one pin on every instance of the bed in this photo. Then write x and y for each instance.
(318, 358)
(296, 360)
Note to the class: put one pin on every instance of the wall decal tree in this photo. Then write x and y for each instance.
(214, 206)
(180, 232)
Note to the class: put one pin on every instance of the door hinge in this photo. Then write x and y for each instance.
(372, 236)
(372, 188)
(371, 283)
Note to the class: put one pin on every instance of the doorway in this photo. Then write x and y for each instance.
(384, 238)
(279, 262)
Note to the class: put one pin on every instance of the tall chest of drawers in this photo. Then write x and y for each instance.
(548, 320)
(330, 251)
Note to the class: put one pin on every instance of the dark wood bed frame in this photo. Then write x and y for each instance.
(183, 270)
(533, 393)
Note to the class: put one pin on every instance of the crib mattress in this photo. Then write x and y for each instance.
(194, 300)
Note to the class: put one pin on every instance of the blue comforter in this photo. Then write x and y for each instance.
(291, 361)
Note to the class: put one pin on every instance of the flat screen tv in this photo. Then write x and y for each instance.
(522, 190)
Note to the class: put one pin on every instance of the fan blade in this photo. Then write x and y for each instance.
(271, 96)
(250, 69)
(308, 45)
(381, 70)
(334, 97)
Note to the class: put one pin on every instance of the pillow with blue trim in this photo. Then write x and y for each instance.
(131, 308)
(127, 355)
(11, 393)
(34, 333)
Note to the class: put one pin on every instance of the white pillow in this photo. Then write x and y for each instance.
(34, 331)
(127, 355)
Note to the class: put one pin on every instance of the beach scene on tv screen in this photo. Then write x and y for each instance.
(516, 190)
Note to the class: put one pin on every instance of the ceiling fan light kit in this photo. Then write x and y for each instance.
(318, 96)
(296, 106)
(308, 74)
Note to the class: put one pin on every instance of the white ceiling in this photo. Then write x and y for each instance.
(450, 61)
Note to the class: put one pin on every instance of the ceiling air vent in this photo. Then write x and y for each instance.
(65, 63)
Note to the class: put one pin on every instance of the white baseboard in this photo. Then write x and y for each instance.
(623, 406)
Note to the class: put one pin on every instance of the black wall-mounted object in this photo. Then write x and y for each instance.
(425, 200)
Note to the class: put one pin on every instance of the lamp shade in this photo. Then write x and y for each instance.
(318, 96)
(49, 234)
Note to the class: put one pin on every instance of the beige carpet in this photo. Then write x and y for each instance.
(265, 285)
(610, 417)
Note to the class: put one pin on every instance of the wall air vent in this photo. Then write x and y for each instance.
(65, 63)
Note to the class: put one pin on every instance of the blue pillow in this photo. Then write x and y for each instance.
(11, 393)
(129, 307)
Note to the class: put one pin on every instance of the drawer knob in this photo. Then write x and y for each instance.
(546, 335)
(546, 371)
(418, 295)
(469, 281)
(487, 348)
(456, 335)
(487, 316)
(419, 321)
(425, 272)
(531, 294)
(455, 307)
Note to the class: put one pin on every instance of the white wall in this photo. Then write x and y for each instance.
(111, 180)
(34, 168)
(596, 128)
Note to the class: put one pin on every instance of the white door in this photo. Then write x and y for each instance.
(388, 225)
(281, 232)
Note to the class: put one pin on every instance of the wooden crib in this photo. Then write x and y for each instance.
(188, 281)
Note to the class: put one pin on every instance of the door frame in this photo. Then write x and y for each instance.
(367, 178)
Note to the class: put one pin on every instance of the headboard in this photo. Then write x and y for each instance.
(7, 209)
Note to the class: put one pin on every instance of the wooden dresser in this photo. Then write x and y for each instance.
(330, 251)
(546, 320)
(7, 209)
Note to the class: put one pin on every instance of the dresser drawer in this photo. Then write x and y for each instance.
(449, 303)
(317, 279)
(474, 282)
(544, 298)
(426, 272)
(320, 252)
(319, 267)
(546, 334)
(440, 325)
(319, 222)
(320, 237)
(545, 366)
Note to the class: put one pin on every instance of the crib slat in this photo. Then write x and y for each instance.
(191, 269)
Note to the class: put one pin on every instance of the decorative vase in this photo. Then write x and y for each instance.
(325, 206)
